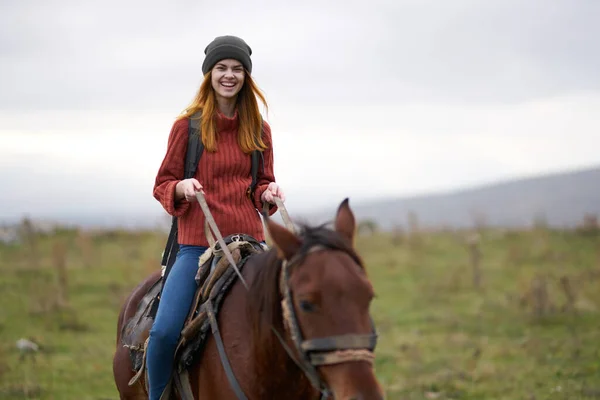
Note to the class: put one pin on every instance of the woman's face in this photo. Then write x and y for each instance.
(228, 78)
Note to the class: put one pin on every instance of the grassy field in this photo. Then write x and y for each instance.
(499, 315)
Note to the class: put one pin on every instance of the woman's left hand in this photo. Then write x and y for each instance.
(272, 190)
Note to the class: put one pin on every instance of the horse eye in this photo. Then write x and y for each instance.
(307, 306)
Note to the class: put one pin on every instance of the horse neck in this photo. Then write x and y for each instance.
(278, 372)
(281, 372)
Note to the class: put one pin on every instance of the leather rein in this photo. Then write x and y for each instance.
(312, 352)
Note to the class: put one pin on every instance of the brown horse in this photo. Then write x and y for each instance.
(302, 331)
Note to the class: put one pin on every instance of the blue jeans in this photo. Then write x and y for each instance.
(175, 302)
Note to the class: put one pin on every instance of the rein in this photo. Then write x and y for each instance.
(313, 352)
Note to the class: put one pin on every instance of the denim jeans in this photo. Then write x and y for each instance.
(175, 302)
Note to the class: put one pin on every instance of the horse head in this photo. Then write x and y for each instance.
(325, 298)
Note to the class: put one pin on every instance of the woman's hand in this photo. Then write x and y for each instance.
(187, 189)
(272, 190)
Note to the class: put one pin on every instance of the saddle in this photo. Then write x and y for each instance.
(215, 277)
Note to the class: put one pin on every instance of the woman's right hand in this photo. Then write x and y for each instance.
(187, 189)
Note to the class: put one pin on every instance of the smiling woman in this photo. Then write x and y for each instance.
(231, 128)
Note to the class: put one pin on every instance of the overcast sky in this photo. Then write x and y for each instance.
(367, 99)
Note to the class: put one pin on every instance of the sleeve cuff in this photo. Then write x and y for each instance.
(174, 209)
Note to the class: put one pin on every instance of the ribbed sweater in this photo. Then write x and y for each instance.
(224, 176)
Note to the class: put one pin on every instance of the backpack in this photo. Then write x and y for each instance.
(194, 151)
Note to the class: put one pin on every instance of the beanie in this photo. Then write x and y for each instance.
(223, 47)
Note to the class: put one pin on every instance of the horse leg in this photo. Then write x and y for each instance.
(122, 367)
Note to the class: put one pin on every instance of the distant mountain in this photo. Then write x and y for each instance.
(562, 199)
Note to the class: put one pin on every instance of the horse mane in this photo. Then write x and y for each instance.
(264, 300)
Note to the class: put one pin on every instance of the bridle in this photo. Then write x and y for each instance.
(320, 351)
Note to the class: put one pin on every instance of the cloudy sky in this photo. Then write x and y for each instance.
(367, 99)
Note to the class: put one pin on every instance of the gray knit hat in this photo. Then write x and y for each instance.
(227, 47)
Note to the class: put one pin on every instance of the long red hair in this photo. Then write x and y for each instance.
(249, 130)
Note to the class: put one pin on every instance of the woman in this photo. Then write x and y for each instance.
(231, 129)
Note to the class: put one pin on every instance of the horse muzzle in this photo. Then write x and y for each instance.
(352, 381)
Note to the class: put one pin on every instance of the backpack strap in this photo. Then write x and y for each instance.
(254, 172)
(256, 155)
(195, 146)
(193, 153)
(192, 157)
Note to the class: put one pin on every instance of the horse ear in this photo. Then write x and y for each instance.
(285, 242)
(345, 224)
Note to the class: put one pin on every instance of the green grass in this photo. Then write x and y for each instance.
(440, 336)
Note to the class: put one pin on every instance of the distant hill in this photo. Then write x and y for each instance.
(562, 199)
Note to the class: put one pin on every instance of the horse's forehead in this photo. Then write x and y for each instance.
(324, 257)
(329, 266)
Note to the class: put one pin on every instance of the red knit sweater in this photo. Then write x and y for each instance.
(224, 176)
